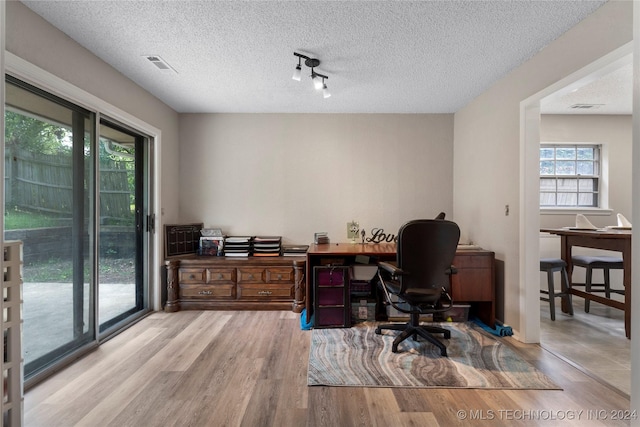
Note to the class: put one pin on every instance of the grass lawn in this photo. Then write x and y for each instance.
(18, 220)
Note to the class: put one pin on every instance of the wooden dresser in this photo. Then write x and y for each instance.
(251, 283)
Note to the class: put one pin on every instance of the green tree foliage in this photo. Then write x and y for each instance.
(34, 135)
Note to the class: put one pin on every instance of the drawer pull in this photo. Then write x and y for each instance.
(220, 276)
(279, 276)
(205, 293)
(265, 293)
(250, 276)
(192, 276)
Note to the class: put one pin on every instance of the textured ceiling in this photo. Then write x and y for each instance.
(611, 93)
(380, 57)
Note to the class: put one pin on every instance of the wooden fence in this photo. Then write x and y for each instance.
(43, 183)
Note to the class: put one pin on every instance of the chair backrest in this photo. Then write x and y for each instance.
(425, 249)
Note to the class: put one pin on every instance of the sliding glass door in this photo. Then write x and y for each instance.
(48, 174)
(76, 195)
(122, 224)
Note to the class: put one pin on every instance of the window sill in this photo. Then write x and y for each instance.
(575, 211)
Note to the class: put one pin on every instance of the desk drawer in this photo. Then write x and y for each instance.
(332, 317)
(330, 296)
(331, 276)
(251, 275)
(265, 291)
(472, 284)
(192, 275)
(282, 275)
(221, 275)
(472, 261)
(205, 292)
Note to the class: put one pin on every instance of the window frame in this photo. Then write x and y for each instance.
(599, 192)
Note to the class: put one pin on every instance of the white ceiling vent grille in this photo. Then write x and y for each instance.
(585, 106)
(160, 63)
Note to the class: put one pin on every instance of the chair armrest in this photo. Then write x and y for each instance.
(392, 269)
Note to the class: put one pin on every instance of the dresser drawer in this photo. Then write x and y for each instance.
(251, 275)
(279, 275)
(207, 291)
(192, 275)
(221, 275)
(265, 291)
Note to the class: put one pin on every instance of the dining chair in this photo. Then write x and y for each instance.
(604, 263)
(552, 266)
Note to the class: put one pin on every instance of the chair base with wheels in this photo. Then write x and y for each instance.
(604, 263)
(551, 266)
(413, 328)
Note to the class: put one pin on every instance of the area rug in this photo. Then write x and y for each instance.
(357, 356)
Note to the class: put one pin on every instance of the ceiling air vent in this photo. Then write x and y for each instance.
(160, 63)
(585, 106)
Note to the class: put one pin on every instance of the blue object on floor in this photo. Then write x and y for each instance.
(304, 325)
(500, 330)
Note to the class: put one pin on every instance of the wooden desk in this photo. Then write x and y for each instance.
(474, 283)
(609, 239)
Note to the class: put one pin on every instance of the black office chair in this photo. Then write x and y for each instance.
(421, 278)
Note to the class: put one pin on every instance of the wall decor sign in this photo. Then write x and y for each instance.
(379, 236)
(353, 228)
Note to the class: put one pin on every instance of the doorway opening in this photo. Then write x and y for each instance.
(542, 122)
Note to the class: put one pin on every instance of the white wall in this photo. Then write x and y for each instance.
(296, 174)
(614, 133)
(487, 143)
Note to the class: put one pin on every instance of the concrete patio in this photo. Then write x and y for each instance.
(48, 313)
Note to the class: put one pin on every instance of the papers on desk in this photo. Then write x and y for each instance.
(469, 247)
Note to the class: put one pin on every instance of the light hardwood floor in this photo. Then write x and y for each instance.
(217, 368)
(593, 341)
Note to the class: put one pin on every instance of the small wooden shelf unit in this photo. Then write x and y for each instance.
(12, 362)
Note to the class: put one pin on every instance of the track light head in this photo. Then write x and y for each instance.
(296, 73)
(317, 81)
(325, 92)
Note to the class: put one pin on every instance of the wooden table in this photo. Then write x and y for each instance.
(474, 283)
(609, 239)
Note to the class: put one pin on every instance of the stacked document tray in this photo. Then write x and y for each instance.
(239, 246)
(294, 250)
(267, 246)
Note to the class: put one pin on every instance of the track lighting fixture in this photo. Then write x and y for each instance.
(318, 79)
